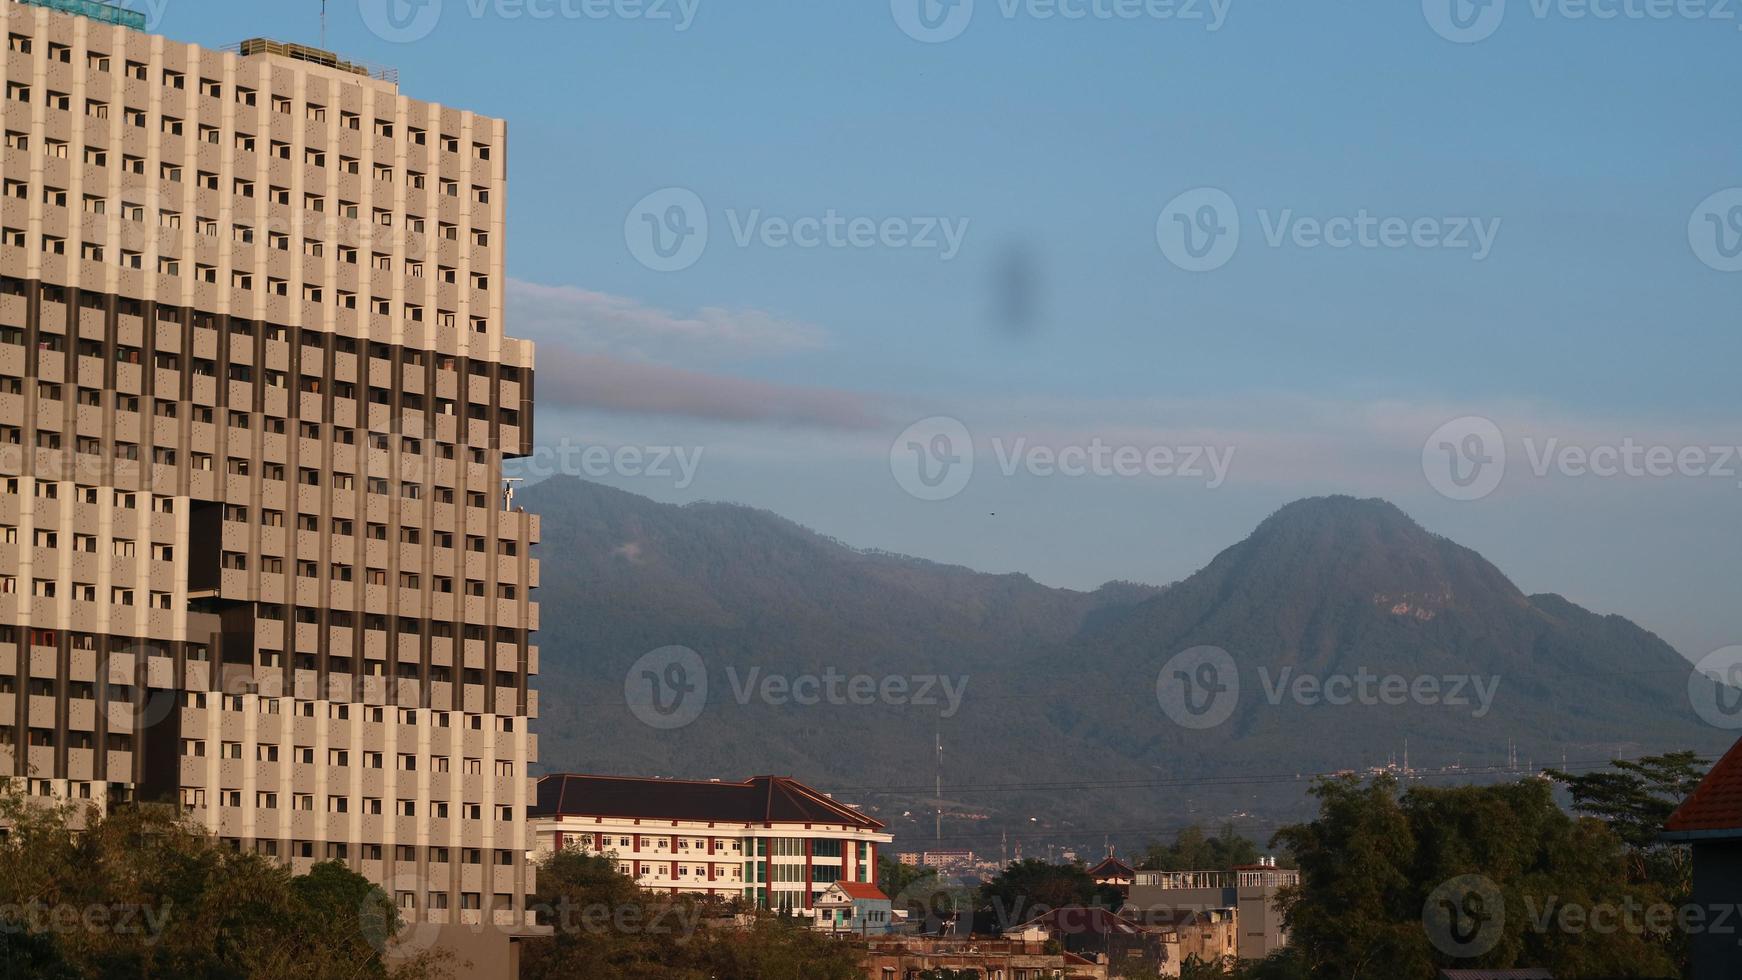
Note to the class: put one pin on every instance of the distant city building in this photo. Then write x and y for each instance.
(1248, 892)
(1710, 820)
(947, 860)
(769, 840)
(854, 907)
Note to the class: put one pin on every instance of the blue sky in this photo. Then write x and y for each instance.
(1587, 146)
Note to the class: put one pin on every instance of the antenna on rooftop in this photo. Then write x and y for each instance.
(323, 24)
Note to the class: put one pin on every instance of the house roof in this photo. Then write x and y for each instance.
(1112, 867)
(1714, 809)
(760, 799)
(862, 890)
(1085, 920)
(1167, 918)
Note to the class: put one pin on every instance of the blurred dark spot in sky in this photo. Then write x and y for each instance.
(1017, 290)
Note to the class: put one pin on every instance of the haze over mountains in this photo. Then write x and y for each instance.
(1348, 628)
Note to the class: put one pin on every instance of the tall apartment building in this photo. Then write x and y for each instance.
(255, 396)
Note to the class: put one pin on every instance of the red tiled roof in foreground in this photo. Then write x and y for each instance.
(1714, 809)
(861, 890)
(758, 800)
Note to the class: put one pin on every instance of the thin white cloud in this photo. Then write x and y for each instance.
(594, 381)
(587, 321)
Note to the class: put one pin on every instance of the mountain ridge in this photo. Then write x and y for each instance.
(1061, 685)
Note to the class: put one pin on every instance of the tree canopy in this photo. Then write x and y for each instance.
(140, 892)
(1398, 885)
(604, 927)
(1194, 850)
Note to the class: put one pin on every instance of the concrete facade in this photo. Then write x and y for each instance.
(1248, 894)
(255, 396)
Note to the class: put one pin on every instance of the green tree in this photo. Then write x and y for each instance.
(1374, 861)
(1635, 798)
(897, 879)
(140, 892)
(604, 927)
(1025, 889)
(1194, 850)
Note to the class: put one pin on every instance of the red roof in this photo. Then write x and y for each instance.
(1112, 867)
(1715, 805)
(762, 799)
(861, 890)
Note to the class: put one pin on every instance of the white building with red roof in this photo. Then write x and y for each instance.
(769, 840)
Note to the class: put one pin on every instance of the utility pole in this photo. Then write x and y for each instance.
(939, 829)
